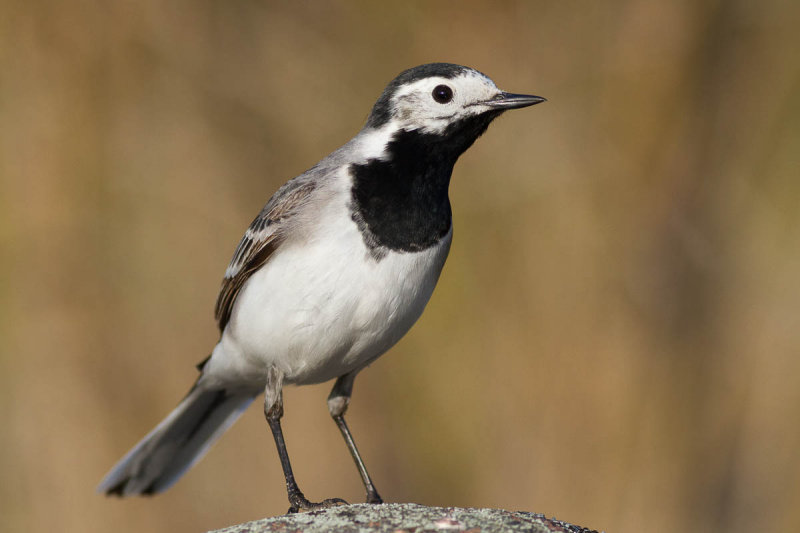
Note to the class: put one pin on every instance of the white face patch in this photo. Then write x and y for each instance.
(414, 107)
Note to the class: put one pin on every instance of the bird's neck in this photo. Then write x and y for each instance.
(400, 200)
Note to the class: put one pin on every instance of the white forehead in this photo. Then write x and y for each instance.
(470, 83)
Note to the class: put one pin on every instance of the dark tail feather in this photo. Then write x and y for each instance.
(178, 442)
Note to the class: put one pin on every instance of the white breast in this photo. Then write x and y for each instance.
(322, 306)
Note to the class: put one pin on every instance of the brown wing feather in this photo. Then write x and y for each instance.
(231, 286)
(262, 238)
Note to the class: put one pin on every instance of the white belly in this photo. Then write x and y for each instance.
(322, 308)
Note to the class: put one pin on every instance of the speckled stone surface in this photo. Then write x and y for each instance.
(410, 517)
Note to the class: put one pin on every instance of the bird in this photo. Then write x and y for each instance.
(331, 273)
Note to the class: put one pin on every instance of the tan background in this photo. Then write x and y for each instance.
(615, 338)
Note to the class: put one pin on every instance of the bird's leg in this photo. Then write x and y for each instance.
(273, 411)
(338, 400)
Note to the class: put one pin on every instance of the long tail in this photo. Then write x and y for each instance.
(178, 442)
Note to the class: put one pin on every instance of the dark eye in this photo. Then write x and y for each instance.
(442, 94)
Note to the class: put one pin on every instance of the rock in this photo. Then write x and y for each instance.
(410, 517)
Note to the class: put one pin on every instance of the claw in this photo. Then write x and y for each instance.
(302, 505)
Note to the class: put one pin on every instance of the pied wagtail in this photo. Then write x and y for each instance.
(332, 272)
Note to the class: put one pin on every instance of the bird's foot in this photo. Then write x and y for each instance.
(301, 505)
(374, 498)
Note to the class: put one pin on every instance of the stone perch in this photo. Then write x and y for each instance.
(407, 517)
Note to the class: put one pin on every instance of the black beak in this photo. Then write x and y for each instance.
(513, 101)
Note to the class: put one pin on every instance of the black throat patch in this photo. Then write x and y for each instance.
(401, 203)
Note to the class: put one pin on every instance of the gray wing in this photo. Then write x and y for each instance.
(261, 239)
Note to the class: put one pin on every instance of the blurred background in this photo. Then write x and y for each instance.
(615, 339)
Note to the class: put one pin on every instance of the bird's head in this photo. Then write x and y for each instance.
(439, 98)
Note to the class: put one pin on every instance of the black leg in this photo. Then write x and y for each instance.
(338, 401)
(273, 411)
